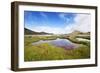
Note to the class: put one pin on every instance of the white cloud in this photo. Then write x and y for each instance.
(82, 23)
(49, 29)
(44, 15)
(63, 17)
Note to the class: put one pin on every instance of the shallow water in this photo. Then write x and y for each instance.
(64, 43)
(82, 39)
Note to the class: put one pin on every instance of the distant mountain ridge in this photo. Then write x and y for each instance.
(30, 32)
(79, 32)
(76, 33)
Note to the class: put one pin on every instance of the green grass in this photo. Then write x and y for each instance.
(30, 39)
(74, 40)
(43, 52)
(47, 51)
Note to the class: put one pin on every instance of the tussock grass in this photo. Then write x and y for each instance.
(43, 52)
(46, 51)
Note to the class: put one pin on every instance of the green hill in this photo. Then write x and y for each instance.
(30, 32)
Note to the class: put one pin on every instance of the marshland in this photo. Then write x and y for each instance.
(56, 47)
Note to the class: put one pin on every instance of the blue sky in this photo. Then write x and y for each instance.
(53, 22)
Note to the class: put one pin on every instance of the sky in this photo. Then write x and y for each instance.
(57, 22)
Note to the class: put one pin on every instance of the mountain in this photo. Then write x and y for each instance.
(30, 32)
(27, 31)
(77, 33)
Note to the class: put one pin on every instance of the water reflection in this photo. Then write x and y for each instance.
(64, 43)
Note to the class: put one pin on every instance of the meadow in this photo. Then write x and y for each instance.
(46, 51)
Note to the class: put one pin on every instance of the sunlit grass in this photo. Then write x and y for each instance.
(47, 51)
(43, 52)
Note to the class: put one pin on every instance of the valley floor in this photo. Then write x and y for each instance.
(46, 51)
